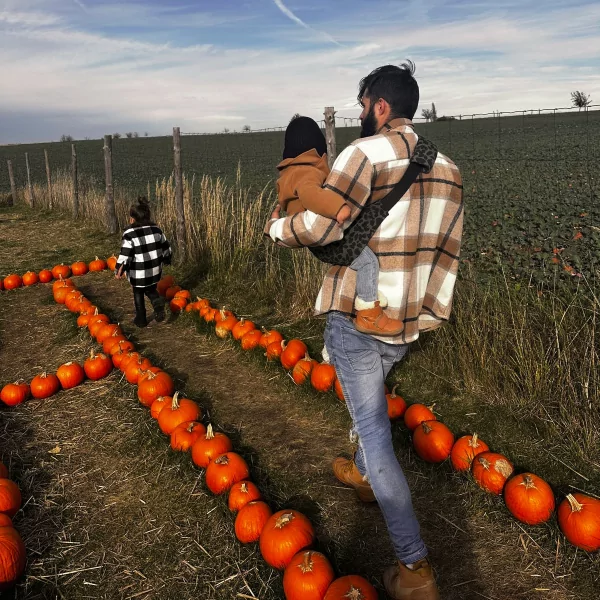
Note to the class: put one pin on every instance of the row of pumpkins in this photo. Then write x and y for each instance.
(527, 496)
(285, 537)
(12, 548)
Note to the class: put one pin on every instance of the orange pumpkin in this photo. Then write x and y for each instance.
(45, 276)
(285, 534)
(396, 405)
(225, 325)
(12, 556)
(97, 366)
(44, 385)
(241, 328)
(61, 271)
(241, 493)
(10, 497)
(465, 450)
(302, 369)
(269, 337)
(308, 576)
(106, 331)
(322, 377)
(209, 446)
(30, 278)
(433, 441)
(351, 587)
(251, 520)
(158, 405)
(134, 368)
(224, 471)
(274, 351)
(417, 413)
(113, 341)
(579, 520)
(61, 282)
(121, 357)
(70, 374)
(121, 346)
(12, 282)
(180, 411)
(293, 351)
(154, 386)
(15, 393)
(177, 305)
(185, 434)
(184, 294)
(339, 392)
(79, 268)
(491, 471)
(529, 498)
(97, 265)
(111, 262)
(170, 294)
(251, 340)
(164, 284)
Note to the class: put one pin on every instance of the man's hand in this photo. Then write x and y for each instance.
(343, 214)
(119, 273)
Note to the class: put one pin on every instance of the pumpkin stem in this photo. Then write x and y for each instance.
(242, 320)
(527, 482)
(393, 394)
(222, 311)
(306, 566)
(473, 441)
(283, 345)
(283, 520)
(44, 375)
(175, 402)
(354, 594)
(575, 506)
(209, 432)
(484, 462)
(244, 488)
(431, 407)
(190, 427)
(222, 460)
(92, 354)
(69, 363)
(426, 428)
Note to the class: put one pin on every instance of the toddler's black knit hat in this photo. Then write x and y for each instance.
(302, 134)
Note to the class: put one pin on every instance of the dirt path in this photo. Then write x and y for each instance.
(117, 502)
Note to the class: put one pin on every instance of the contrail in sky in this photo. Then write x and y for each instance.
(290, 15)
(80, 4)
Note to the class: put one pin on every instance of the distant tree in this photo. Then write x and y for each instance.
(66, 138)
(145, 134)
(246, 129)
(445, 118)
(426, 113)
(225, 130)
(433, 112)
(295, 117)
(580, 100)
(129, 134)
(116, 136)
(136, 134)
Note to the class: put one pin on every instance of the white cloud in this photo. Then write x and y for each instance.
(51, 65)
(290, 15)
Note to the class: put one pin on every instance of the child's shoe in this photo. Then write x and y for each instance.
(371, 319)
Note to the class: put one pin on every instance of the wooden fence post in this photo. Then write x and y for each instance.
(29, 186)
(330, 134)
(49, 177)
(75, 182)
(13, 187)
(111, 215)
(179, 208)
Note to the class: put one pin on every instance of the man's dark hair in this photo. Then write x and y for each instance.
(396, 85)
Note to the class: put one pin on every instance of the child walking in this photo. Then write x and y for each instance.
(144, 249)
(302, 174)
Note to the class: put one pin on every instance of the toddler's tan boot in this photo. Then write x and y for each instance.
(371, 319)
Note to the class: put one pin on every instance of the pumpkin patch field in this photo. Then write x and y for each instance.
(124, 468)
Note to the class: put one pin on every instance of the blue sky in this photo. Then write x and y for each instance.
(89, 67)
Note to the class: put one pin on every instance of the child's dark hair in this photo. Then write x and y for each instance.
(303, 134)
(140, 211)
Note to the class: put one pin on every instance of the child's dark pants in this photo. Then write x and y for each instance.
(140, 308)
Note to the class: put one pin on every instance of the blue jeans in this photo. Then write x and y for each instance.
(366, 265)
(362, 364)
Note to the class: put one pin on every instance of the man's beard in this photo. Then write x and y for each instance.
(369, 124)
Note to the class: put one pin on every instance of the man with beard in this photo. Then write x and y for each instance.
(417, 245)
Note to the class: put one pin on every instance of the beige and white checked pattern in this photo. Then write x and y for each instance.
(418, 244)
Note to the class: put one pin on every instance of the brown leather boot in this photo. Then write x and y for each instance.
(371, 319)
(345, 471)
(402, 583)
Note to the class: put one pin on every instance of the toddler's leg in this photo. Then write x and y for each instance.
(370, 317)
(140, 307)
(158, 303)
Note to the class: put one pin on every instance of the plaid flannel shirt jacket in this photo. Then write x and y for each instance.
(417, 245)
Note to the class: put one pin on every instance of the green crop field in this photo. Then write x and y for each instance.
(531, 181)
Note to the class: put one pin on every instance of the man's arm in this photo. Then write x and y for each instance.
(351, 179)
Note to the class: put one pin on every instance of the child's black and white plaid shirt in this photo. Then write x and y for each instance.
(144, 249)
